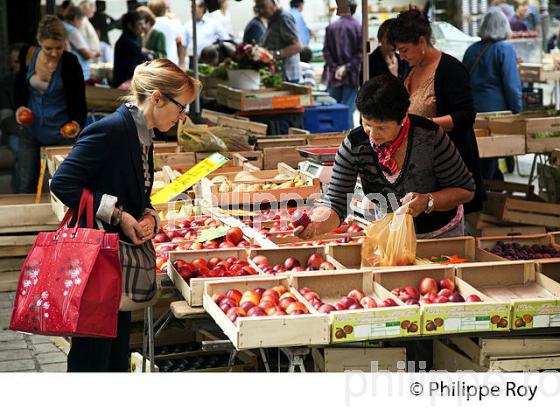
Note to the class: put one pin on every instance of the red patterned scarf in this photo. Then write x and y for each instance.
(385, 153)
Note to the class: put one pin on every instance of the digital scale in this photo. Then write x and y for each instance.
(319, 163)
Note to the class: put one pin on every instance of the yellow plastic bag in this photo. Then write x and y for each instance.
(390, 241)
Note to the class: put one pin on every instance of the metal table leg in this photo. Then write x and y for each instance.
(144, 341)
(151, 341)
(264, 359)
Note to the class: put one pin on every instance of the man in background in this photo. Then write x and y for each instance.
(304, 32)
(281, 38)
(342, 52)
(171, 28)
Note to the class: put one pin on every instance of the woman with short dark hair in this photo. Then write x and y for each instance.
(384, 60)
(495, 82)
(400, 156)
(439, 89)
(128, 49)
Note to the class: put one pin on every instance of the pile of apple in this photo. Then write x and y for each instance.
(355, 300)
(276, 301)
(429, 291)
(343, 240)
(315, 262)
(187, 228)
(214, 267)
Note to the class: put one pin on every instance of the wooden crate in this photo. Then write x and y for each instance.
(362, 359)
(331, 139)
(48, 154)
(265, 331)
(522, 211)
(276, 142)
(193, 291)
(253, 127)
(500, 145)
(362, 324)
(451, 359)
(286, 96)
(482, 120)
(10, 268)
(103, 99)
(180, 161)
(253, 157)
(211, 192)
(277, 256)
(489, 243)
(484, 350)
(537, 73)
(274, 155)
(481, 224)
(448, 318)
(534, 298)
(20, 213)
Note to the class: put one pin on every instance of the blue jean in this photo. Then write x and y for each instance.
(27, 164)
(346, 94)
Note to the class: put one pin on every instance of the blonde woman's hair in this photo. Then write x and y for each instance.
(160, 75)
(50, 28)
(158, 7)
(148, 15)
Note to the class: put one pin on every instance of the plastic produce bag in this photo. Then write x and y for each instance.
(390, 241)
(197, 140)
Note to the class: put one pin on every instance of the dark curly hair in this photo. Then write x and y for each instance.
(409, 27)
(383, 98)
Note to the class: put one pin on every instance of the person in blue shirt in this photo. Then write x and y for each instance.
(255, 29)
(495, 82)
(304, 32)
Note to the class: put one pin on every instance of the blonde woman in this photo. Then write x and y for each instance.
(113, 158)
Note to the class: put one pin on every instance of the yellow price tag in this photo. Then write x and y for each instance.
(189, 178)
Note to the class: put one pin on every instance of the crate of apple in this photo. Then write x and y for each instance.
(233, 239)
(214, 267)
(355, 300)
(315, 262)
(274, 301)
(430, 291)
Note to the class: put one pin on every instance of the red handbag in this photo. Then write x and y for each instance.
(70, 283)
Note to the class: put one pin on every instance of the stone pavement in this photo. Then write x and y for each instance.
(25, 353)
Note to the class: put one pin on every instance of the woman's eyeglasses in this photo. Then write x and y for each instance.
(182, 108)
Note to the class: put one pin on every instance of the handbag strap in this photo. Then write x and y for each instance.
(479, 56)
(86, 202)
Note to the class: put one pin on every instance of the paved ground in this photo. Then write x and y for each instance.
(25, 353)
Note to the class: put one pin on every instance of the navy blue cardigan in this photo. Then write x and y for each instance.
(106, 159)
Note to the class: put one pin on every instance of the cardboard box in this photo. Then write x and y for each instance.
(362, 359)
(448, 318)
(193, 291)
(362, 324)
(534, 298)
(265, 331)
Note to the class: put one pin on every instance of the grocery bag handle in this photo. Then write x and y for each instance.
(86, 202)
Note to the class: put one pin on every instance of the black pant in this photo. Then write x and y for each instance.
(100, 354)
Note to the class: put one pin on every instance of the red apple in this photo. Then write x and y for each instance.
(296, 306)
(315, 261)
(260, 260)
(247, 305)
(390, 302)
(303, 291)
(447, 283)
(290, 263)
(234, 295)
(234, 235)
(428, 285)
(441, 299)
(272, 293)
(25, 117)
(300, 218)
(346, 301)
(280, 289)
(368, 302)
(309, 296)
(456, 298)
(473, 298)
(340, 306)
(356, 294)
(297, 312)
(355, 306)
(284, 303)
(327, 266)
(218, 297)
(412, 292)
(298, 269)
(445, 292)
(160, 237)
(213, 261)
(326, 308)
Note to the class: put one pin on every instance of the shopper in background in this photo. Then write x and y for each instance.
(255, 29)
(208, 31)
(395, 154)
(304, 32)
(307, 70)
(113, 158)
(171, 29)
(495, 82)
(342, 52)
(281, 38)
(75, 40)
(384, 60)
(504, 7)
(153, 41)
(50, 83)
(102, 22)
(222, 16)
(519, 20)
(86, 28)
(128, 49)
(440, 90)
